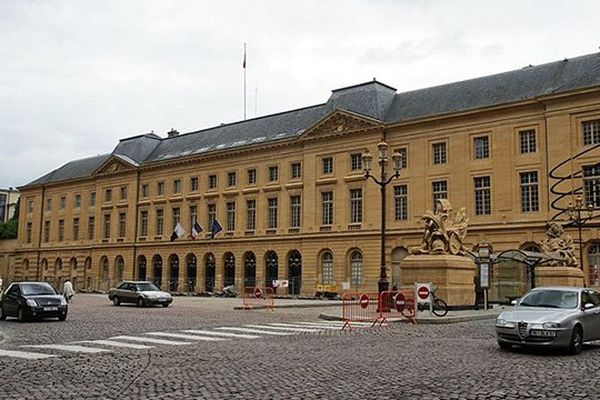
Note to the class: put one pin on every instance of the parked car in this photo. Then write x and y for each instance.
(28, 300)
(562, 317)
(141, 293)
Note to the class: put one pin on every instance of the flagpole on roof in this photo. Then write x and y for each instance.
(244, 66)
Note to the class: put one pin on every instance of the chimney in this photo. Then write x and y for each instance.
(173, 133)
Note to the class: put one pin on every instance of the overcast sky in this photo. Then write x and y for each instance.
(78, 75)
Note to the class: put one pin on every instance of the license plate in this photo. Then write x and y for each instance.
(50, 308)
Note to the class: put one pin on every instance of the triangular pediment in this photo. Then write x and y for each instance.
(114, 165)
(341, 122)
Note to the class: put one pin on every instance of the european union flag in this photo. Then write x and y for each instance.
(215, 228)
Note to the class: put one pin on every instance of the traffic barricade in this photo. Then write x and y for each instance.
(257, 297)
(360, 307)
(395, 303)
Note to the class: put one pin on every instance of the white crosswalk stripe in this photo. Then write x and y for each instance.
(309, 330)
(186, 337)
(341, 323)
(114, 343)
(224, 334)
(68, 347)
(24, 354)
(248, 330)
(149, 340)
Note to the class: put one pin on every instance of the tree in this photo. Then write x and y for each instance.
(10, 229)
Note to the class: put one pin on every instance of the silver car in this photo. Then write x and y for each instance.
(141, 293)
(563, 317)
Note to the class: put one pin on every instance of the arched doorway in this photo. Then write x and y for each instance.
(87, 266)
(271, 268)
(209, 272)
(73, 272)
(249, 269)
(191, 272)
(594, 264)
(103, 281)
(119, 269)
(173, 272)
(326, 262)
(44, 270)
(356, 269)
(142, 268)
(398, 254)
(295, 272)
(58, 273)
(157, 270)
(26, 269)
(228, 269)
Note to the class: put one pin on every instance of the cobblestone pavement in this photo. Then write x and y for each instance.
(457, 361)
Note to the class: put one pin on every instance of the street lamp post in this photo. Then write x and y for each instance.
(383, 181)
(574, 212)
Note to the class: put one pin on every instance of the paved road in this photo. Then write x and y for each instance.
(107, 352)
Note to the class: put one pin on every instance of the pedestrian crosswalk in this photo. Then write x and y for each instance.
(150, 340)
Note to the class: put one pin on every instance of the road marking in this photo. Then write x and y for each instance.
(231, 328)
(69, 347)
(299, 325)
(24, 354)
(285, 329)
(114, 343)
(341, 323)
(184, 336)
(226, 334)
(149, 340)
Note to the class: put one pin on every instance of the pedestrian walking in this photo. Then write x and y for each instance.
(68, 292)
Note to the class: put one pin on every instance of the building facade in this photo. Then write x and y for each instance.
(8, 203)
(290, 194)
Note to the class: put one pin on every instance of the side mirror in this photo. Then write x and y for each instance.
(587, 306)
(514, 302)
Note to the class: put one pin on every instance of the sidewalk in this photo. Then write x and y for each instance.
(297, 303)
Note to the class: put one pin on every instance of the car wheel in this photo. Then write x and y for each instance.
(62, 317)
(576, 340)
(165, 305)
(141, 302)
(504, 346)
(2, 315)
(21, 315)
(116, 301)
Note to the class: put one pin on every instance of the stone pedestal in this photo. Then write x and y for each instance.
(452, 276)
(558, 276)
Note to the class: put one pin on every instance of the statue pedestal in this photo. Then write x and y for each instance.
(558, 276)
(452, 276)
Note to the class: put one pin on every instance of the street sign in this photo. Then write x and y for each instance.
(484, 275)
(364, 301)
(423, 292)
(400, 302)
(257, 293)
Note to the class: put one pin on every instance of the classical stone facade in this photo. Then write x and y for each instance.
(289, 190)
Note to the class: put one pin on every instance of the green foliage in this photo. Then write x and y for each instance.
(10, 229)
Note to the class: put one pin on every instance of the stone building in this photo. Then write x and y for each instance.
(289, 190)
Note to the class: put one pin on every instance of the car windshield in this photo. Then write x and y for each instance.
(147, 287)
(551, 299)
(32, 289)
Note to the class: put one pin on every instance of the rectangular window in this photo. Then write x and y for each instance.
(591, 132)
(193, 215)
(483, 195)
(108, 195)
(122, 224)
(481, 146)
(106, 227)
(62, 202)
(439, 153)
(295, 211)
(355, 206)
(273, 174)
(77, 201)
(194, 184)
(49, 204)
(92, 199)
(160, 214)
(176, 216)
(439, 190)
(404, 154)
(61, 230)
(296, 170)
(272, 213)
(326, 208)
(177, 186)
(123, 193)
(212, 214)
(251, 176)
(401, 203)
(144, 223)
(529, 191)
(160, 188)
(356, 162)
(75, 228)
(591, 185)
(212, 181)
(46, 231)
(29, 229)
(145, 190)
(250, 215)
(327, 165)
(231, 215)
(91, 227)
(30, 206)
(231, 179)
(527, 141)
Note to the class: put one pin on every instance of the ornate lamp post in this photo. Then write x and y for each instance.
(383, 181)
(574, 212)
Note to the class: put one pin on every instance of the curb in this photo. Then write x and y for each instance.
(287, 306)
(1, 337)
(426, 321)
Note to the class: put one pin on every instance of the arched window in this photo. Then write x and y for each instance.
(119, 268)
(271, 268)
(228, 269)
(157, 270)
(104, 270)
(173, 272)
(210, 271)
(594, 264)
(327, 268)
(356, 265)
(191, 272)
(249, 269)
(142, 268)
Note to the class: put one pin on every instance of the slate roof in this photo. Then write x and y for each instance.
(371, 99)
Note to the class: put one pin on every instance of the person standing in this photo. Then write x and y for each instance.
(68, 291)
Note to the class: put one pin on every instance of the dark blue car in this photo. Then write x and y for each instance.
(32, 300)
